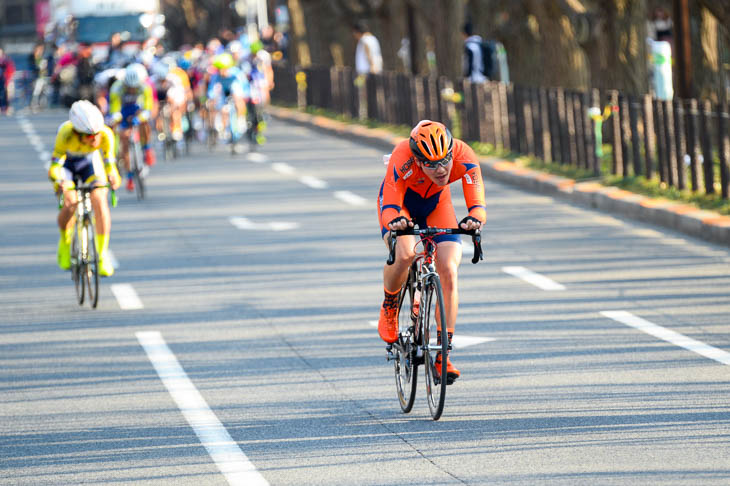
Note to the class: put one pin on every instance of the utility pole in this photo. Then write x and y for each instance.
(683, 48)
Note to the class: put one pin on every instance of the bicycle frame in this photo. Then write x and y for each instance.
(414, 345)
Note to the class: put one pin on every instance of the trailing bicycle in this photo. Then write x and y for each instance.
(84, 257)
(422, 333)
(136, 160)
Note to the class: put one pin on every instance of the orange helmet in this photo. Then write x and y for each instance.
(431, 141)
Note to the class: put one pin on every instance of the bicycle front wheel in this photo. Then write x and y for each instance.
(91, 273)
(433, 321)
(77, 263)
(405, 350)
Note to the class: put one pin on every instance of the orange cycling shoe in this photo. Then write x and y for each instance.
(130, 185)
(451, 372)
(149, 157)
(388, 322)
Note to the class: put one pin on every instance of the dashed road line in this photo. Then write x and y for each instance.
(533, 278)
(126, 297)
(246, 224)
(313, 182)
(256, 157)
(350, 198)
(224, 451)
(670, 336)
(283, 168)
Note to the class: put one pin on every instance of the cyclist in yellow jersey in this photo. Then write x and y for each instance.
(131, 102)
(81, 144)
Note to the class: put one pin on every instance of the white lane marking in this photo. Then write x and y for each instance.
(126, 297)
(224, 451)
(283, 168)
(459, 340)
(467, 248)
(112, 259)
(533, 278)
(45, 155)
(670, 336)
(247, 224)
(313, 182)
(256, 157)
(350, 198)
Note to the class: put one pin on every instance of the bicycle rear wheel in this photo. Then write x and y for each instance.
(405, 365)
(91, 268)
(138, 168)
(77, 265)
(434, 320)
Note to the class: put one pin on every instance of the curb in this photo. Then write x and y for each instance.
(678, 216)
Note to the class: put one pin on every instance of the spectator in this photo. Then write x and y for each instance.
(115, 58)
(7, 69)
(85, 72)
(475, 56)
(367, 54)
(660, 25)
(35, 68)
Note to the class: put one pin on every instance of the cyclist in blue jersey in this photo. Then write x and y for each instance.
(227, 81)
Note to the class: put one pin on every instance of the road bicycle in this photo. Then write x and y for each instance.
(227, 126)
(84, 259)
(136, 160)
(169, 144)
(255, 124)
(422, 334)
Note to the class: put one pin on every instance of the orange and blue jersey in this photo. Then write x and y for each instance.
(407, 191)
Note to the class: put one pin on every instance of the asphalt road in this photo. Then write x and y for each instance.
(235, 343)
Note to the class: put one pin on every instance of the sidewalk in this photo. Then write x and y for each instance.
(674, 215)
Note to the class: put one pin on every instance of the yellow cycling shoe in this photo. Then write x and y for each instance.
(105, 268)
(63, 255)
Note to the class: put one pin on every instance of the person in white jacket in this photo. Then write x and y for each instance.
(368, 58)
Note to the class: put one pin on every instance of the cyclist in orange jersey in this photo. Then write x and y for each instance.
(416, 190)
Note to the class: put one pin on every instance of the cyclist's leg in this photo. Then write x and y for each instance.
(145, 132)
(102, 215)
(394, 276)
(66, 219)
(447, 266)
(124, 135)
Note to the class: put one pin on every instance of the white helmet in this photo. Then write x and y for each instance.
(86, 118)
(160, 70)
(135, 75)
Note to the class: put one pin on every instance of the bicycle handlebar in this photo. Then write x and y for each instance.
(113, 193)
(476, 238)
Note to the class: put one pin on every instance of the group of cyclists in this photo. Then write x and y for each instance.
(415, 189)
(181, 86)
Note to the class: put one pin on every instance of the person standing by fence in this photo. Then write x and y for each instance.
(368, 58)
(477, 58)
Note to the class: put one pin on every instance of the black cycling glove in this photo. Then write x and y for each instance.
(469, 218)
(397, 220)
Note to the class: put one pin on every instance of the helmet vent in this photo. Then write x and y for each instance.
(425, 146)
